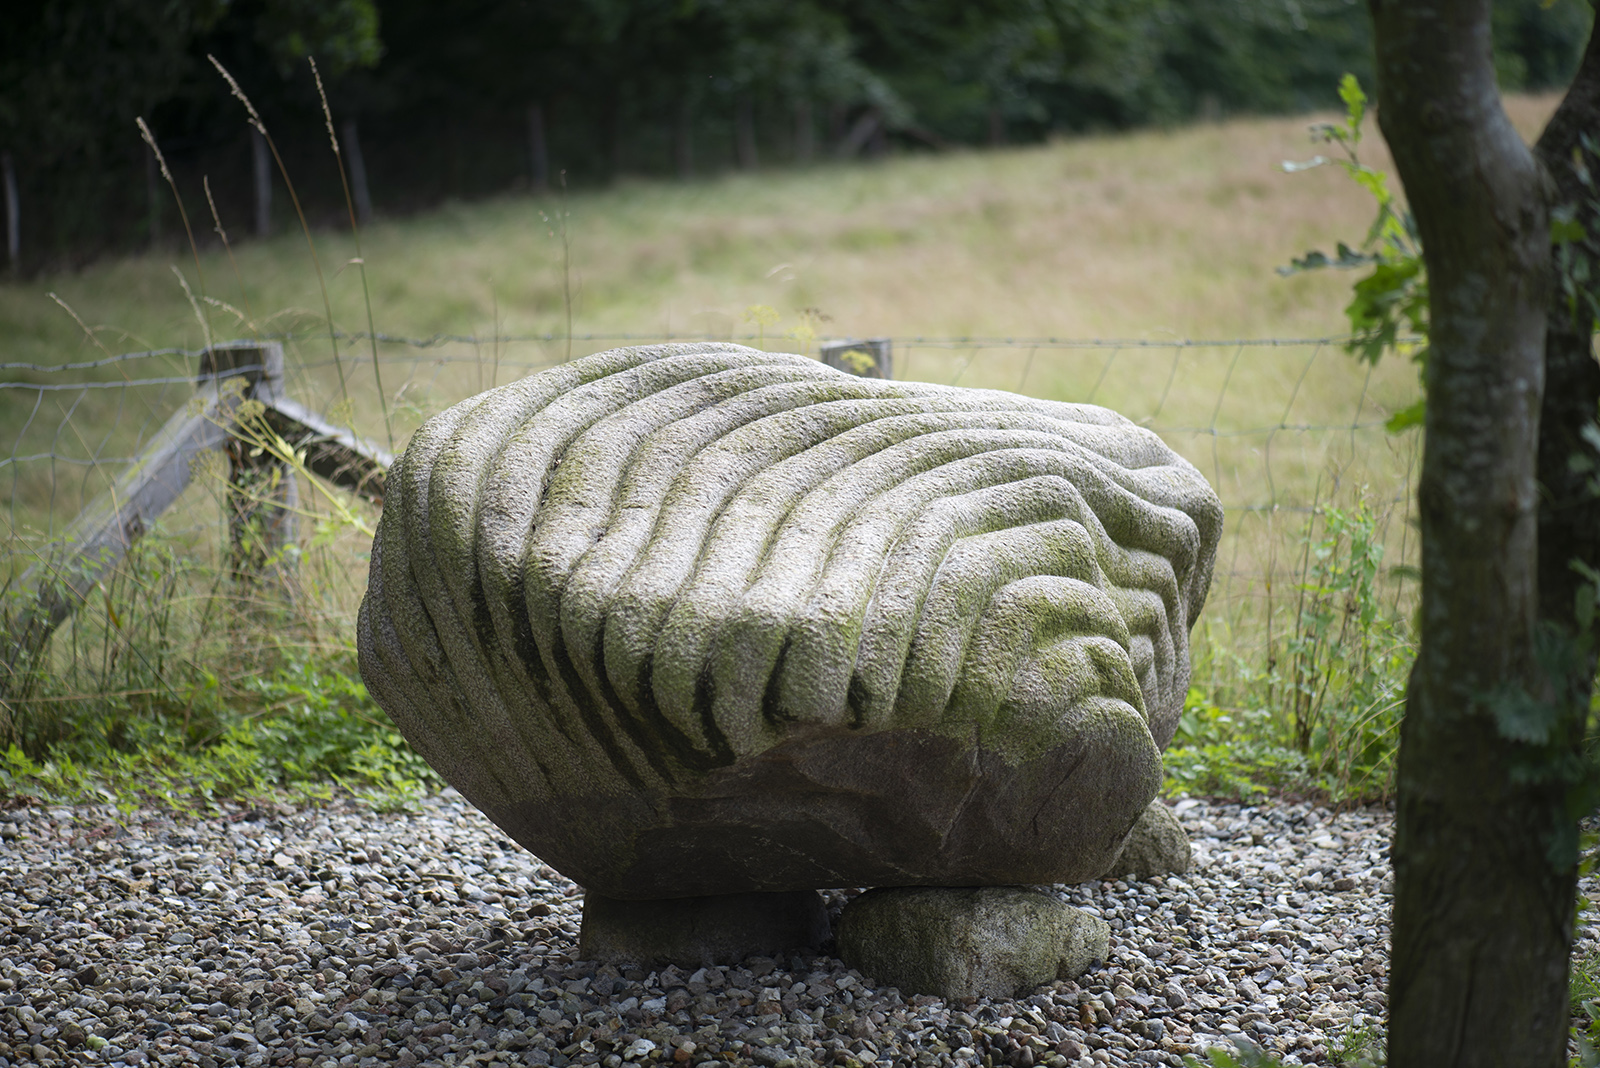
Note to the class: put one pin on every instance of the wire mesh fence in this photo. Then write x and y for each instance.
(1283, 428)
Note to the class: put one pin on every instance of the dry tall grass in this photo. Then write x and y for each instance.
(1154, 235)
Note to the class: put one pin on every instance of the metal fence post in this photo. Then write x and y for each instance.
(869, 358)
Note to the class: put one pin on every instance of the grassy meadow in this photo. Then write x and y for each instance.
(1148, 238)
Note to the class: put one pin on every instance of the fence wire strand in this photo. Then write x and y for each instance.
(79, 425)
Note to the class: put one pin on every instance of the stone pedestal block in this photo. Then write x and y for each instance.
(997, 941)
(1158, 845)
(696, 931)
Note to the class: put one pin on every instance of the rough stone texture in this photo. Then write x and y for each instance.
(958, 942)
(1157, 846)
(698, 619)
(695, 931)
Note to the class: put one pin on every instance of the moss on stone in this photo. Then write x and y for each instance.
(620, 576)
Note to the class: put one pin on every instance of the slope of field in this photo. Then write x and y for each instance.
(1152, 236)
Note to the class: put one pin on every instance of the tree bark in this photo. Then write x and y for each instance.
(360, 192)
(838, 126)
(1481, 914)
(615, 141)
(861, 134)
(538, 148)
(261, 169)
(1569, 515)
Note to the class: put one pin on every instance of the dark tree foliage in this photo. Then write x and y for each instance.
(74, 74)
(446, 94)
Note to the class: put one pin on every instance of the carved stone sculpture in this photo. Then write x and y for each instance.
(699, 619)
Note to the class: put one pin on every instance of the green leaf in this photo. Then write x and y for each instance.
(1355, 102)
(1405, 573)
(1374, 182)
(1521, 717)
(1564, 228)
(1412, 415)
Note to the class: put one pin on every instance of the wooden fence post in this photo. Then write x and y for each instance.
(538, 148)
(263, 493)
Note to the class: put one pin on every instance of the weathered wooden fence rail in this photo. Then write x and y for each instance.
(262, 501)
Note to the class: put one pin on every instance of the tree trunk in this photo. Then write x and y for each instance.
(359, 191)
(861, 134)
(261, 159)
(683, 138)
(997, 126)
(1569, 515)
(878, 143)
(1481, 915)
(8, 175)
(805, 132)
(744, 121)
(538, 149)
(838, 126)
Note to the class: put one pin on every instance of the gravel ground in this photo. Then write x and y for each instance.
(340, 936)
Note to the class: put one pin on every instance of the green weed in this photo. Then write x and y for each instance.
(1318, 710)
(1245, 1054)
(299, 732)
(1230, 752)
(1359, 1046)
(1583, 992)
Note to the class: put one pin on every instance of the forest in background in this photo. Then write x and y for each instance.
(436, 102)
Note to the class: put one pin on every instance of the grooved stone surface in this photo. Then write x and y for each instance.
(991, 941)
(698, 619)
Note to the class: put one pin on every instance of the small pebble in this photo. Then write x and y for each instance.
(341, 935)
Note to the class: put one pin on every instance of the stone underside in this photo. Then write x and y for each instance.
(697, 619)
(696, 931)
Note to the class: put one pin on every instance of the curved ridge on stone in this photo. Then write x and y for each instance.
(604, 597)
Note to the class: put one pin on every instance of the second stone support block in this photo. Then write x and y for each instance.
(959, 942)
(1157, 845)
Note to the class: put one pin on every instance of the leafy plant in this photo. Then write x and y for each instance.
(1577, 252)
(1230, 752)
(300, 729)
(1583, 986)
(1245, 1054)
(1359, 1046)
(1389, 307)
(1349, 657)
(1319, 711)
